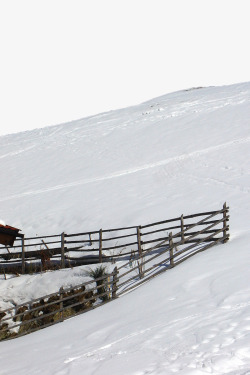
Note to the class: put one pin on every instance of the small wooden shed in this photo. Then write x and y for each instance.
(8, 235)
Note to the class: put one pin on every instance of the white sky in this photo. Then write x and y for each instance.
(66, 59)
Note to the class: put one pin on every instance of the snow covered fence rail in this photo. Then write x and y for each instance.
(175, 249)
(106, 245)
(57, 307)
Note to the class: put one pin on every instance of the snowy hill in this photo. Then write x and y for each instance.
(180, 153)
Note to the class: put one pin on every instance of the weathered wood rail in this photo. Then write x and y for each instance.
(194, 234)
(33, 254)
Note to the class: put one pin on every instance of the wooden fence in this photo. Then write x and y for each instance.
(57, 307)
(193, 238)
(157, 248)
(105, 245)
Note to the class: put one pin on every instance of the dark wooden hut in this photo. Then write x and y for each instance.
(8, 235)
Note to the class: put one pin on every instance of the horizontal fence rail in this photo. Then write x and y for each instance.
(155, 249)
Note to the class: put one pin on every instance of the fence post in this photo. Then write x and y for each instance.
(138, 231)
(90, 240)
(100, 246)
(109, 288)
(114, 285)
(62, 251)
(61, 302)
(170, 238)
(182, 228)
(23, 256)
(225, 234)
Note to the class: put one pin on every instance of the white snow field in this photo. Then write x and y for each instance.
(181, 153)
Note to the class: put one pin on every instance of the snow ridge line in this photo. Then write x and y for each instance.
(130, 171)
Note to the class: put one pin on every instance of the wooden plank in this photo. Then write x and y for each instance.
(81, 234)
(62, 251)
(39, 238)
(207, 222)
(80, 241)
(117, 229)
(119, 246)
(118, 237)
(159, 222)
(61, 302)
(155, 240)
(39, 243)
(23, 257)
(81, 249)
(160, 230)
(29, 245)
(103, 248)
(103, 239)
(100, 246)
(31, 254)
(85, 257)
(138, 233)
(198, 240)
(114, 286)
(205, 232)
(171, 247)
(210, 213)
(182, 228)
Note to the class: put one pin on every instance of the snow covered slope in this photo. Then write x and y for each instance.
(180, 153)
(174, 154)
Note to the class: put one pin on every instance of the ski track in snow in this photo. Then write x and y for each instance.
(189, 331)
(17, 152)
(132, 170)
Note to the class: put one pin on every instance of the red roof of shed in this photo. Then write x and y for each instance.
(9, 227)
